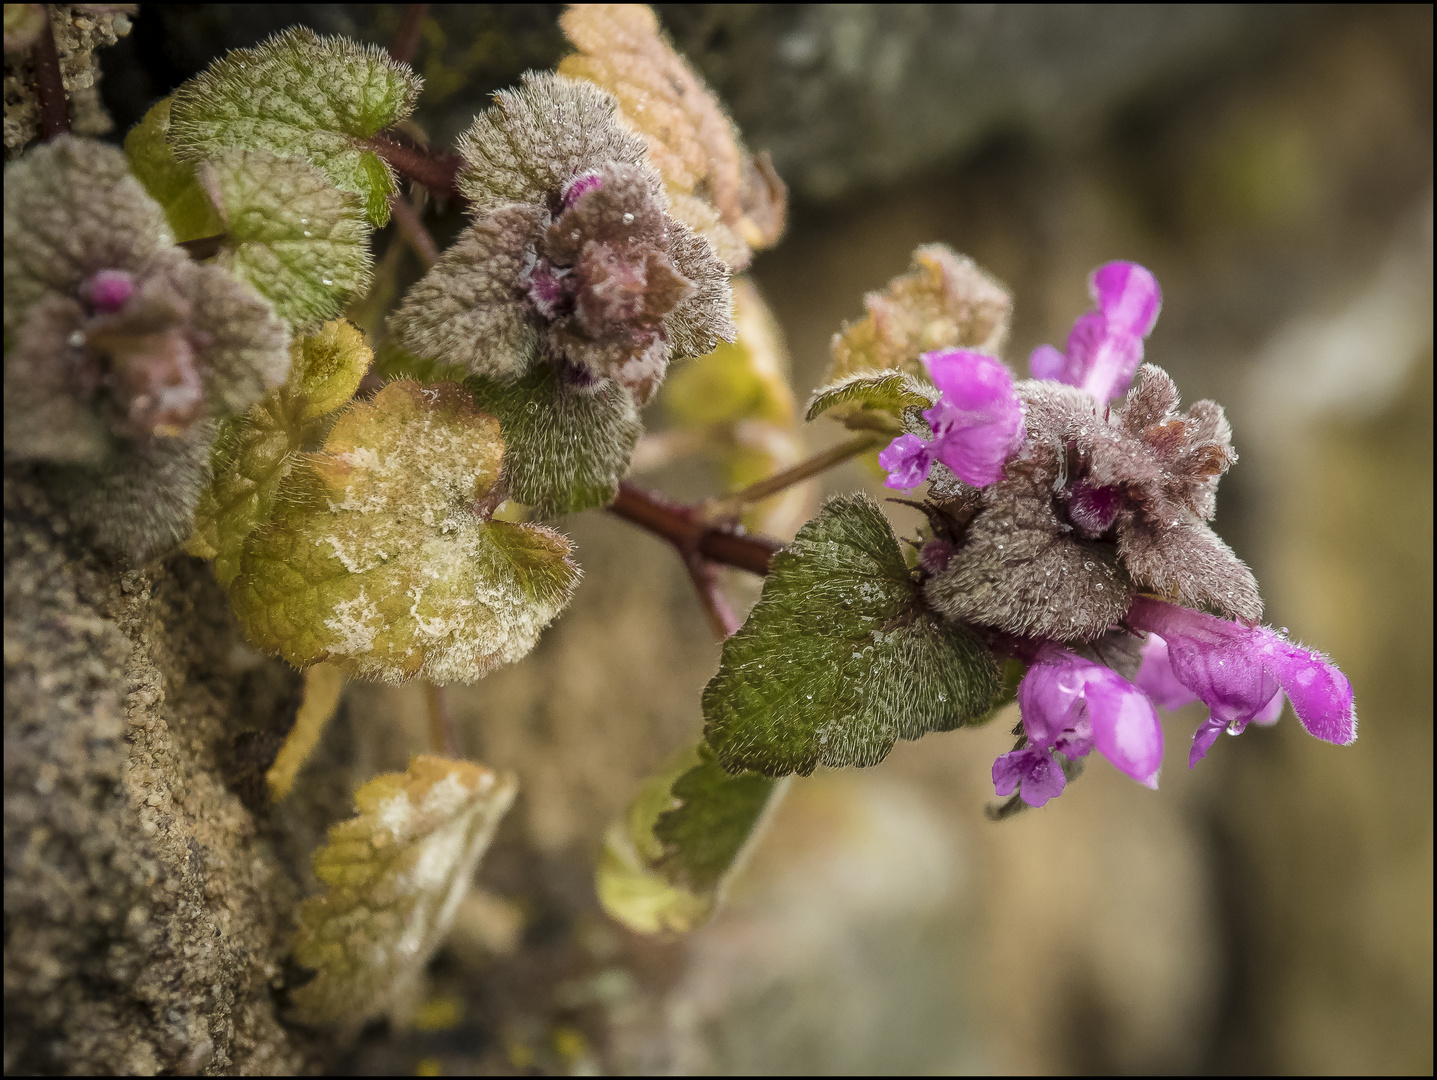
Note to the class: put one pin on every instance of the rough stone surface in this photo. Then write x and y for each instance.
(146, 915)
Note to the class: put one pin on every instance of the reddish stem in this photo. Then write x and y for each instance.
(704, 575)
(435, 171)
(49, 86)
(406, 38)
(702, 545)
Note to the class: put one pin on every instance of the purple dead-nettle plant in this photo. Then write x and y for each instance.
(1060, 516)
(573, 259)
(121, 351)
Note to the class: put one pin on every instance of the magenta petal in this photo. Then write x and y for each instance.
(1125, 725)
(1051, 695)
(1321, 696)
(109, 290)
(1203, 738)
(1128, 296)
(978, 421)
(579, 187)
(1237, 670)
(1111, 366)
(1156, 679)
(1271, 713)
(907, 460)
(1034, 771)
(1047, 362)
(1215, 659)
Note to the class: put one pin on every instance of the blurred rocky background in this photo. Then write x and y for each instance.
(1270, 912)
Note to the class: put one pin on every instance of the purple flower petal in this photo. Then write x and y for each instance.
(580, 186)
(1320, 694)
(978, 421)
(1034, 770)
(1105, 346)
(1128, 296)
(1271, 713)
(109, 290)
(1072, 704)
(1046, 362)
(1203, 738)
(907, 461)
(1237, 671)
(1125, 725)
(1104, 359)
(1093, 508)
(1156, 679)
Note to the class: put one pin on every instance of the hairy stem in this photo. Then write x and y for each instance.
(720, 613)
(49, 86)
(406, 38)
(443, 737)
(435, 171)
(729, 505)
(685, 528)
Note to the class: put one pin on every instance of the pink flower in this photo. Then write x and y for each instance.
(1105, 346)
(1070, 705)
(1240, 673)
(977, 423)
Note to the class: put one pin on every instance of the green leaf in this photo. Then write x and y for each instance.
(716, 816)
(567, 449)
(840, 658)
(394, 876)
(301, 242)
(171, 183)
(305, 96)
(665, 862)
(872, 402)
(382, 556)
(255, 455)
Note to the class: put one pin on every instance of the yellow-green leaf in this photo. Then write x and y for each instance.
(256, 455)
(383, 556)
(171, 183)
(666, 860)
(394, 876)
(738, 396)
(873, 402)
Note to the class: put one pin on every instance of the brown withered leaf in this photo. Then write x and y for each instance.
(732, 198)
(944, 301)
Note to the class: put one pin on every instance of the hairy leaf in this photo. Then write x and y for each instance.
(666, 861)
(716, 187)
(943, 301)
(382, 556)
(304, 96)
(839, 658)
(256, 454)
(394, 876)
(172, 183)
(568, 448)
(873, 402)
(296, 238)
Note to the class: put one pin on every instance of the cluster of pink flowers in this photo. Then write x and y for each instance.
(1072, 703)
